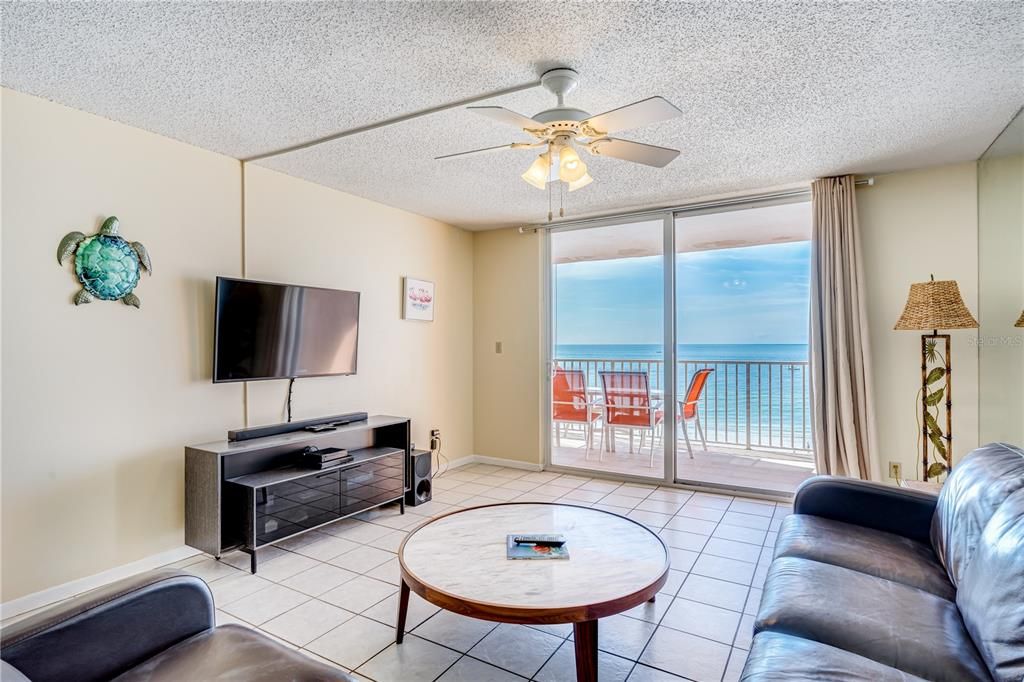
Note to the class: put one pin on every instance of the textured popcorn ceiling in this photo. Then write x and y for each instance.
(772, 92)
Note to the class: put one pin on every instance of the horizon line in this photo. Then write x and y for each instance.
(760, 343)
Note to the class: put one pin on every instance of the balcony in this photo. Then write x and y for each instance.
(755, 417)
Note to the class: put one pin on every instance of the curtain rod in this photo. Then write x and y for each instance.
(719, 203)
(393, 121)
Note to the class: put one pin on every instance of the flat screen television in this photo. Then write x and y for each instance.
(283, 331)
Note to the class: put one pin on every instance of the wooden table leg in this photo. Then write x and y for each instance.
(585, 636)
(403, 609)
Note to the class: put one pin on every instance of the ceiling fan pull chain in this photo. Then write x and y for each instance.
(550, 214)
(561, 199)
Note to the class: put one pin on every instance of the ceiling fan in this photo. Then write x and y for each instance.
(557, 130)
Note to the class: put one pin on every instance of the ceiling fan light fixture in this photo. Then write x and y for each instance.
(582, 182)
(570, 167)
(538, 172)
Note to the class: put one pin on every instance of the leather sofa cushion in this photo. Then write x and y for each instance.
(891, 623)
(969, 498)
(870, 551)
(775, 657)
(991, 596)
(232, 653)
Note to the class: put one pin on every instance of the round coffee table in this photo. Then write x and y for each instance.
(458, 562)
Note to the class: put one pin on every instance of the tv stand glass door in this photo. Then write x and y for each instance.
(285, 502)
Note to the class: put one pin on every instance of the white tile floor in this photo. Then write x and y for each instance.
(332, 593)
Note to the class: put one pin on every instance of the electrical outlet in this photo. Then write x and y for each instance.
(895, 470)
(435, 439)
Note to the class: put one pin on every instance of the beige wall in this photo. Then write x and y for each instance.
(507, 305)
(99, 400)
(1001, 298)
(915, 224)
(308, 234)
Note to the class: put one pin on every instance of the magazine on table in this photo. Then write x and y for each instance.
(536, 546)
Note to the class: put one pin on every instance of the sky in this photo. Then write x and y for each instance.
(754, 294)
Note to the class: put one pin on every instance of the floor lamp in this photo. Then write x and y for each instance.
(936, 305)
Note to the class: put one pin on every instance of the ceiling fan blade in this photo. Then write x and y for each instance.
(651, 110)
(637, 152)
(514, 145)
(503, 115)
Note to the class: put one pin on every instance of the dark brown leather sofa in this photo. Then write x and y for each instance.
(156, 626)
(871, 582)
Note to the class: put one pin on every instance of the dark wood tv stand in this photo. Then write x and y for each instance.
(251, 494)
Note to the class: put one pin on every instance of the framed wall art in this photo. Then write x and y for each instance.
(418, 301)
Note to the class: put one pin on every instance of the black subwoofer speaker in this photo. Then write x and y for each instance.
(419, 478)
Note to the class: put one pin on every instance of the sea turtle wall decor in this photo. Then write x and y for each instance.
(106, 264)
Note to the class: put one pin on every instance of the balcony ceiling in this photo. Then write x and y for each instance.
(772, 92)
(725, 230)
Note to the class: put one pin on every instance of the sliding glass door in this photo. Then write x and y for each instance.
(742, 303)
(607, 352)
(677, 347)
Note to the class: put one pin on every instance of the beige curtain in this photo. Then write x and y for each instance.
(842, 415)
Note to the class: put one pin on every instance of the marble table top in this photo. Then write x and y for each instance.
(463, 554)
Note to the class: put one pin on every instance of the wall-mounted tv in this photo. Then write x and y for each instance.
(282, 331)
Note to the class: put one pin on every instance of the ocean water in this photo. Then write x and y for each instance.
(758, 395)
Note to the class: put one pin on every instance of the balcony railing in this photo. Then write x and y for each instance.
(749, 404)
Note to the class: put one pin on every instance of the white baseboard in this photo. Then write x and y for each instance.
(31, 602)
(496, 461)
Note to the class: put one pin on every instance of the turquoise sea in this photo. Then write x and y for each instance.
(790, 352)
(758, 394)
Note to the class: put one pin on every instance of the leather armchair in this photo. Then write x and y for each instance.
(154, 626)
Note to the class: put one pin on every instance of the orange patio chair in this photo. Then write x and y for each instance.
(688, 407)
(569, 404)
(627, 403)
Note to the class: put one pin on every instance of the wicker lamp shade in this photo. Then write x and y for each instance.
(1020, 321)
(935, 305)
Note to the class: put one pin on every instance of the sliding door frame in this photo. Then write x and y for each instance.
(740, 204)
(668, 346)
(668, 216)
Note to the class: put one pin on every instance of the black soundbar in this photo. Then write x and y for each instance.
(289, 427)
